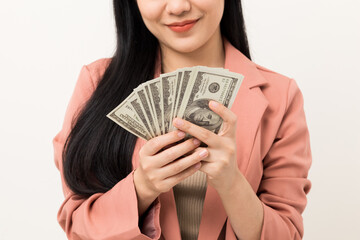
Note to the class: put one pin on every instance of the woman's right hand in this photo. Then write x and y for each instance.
(158, 172)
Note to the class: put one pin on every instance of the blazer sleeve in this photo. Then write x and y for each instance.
(103, 216)
(284, 186)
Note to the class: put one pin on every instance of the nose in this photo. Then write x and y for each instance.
(177, 7)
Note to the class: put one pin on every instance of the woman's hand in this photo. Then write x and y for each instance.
(220, 165)
(157, 171)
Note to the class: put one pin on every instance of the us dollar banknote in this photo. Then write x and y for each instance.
(185, 93)
(208, 84)
(157, 101)
(139, 109)
(125, 116)
(147, 109)
(168, 93)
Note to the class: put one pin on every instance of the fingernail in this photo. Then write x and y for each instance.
(181, 134)
(203, 153)
(214, 104)
(198, 165)
(179, 122)
(196, 141)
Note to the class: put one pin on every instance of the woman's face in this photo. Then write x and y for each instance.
(159, 14)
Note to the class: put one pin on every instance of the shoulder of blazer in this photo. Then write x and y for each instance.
(97, 69)
(277, 89)
(276, 81)
(272, 76)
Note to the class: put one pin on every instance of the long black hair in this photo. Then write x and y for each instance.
(98, 153)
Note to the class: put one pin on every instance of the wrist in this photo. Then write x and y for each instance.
(144, 195)
(231, 188)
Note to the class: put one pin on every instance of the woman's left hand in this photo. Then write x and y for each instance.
(220, 165)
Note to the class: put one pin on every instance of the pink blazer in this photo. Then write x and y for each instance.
(273, 154)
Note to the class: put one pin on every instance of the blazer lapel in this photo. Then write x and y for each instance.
(249, 106)
(168, 216)
(250, 102)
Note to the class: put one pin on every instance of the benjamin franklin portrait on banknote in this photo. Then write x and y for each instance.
(200, 114)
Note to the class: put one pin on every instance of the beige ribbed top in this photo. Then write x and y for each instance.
(189, 198)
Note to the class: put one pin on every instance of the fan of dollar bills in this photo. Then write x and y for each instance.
(185, 93)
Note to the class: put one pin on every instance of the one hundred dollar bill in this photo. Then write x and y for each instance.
(168, 93)
(209, 84)
(147, 110)
(157, 101)
(125, 116)
(135, 102)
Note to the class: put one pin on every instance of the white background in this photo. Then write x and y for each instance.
(45, 43)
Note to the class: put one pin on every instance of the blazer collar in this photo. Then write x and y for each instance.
(249, 105)
(237, 62)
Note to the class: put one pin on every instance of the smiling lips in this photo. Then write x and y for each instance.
(182, 26)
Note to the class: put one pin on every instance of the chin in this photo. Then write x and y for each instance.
(184, 46)
(186, 50)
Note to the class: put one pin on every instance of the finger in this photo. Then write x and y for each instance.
(169, 183)
(191, 152)
(154, 145)
(172, 171)
(200, 133)
(229, 118)
(201, 146)
(175, 152)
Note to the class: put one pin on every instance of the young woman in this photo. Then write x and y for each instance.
(250, 182)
